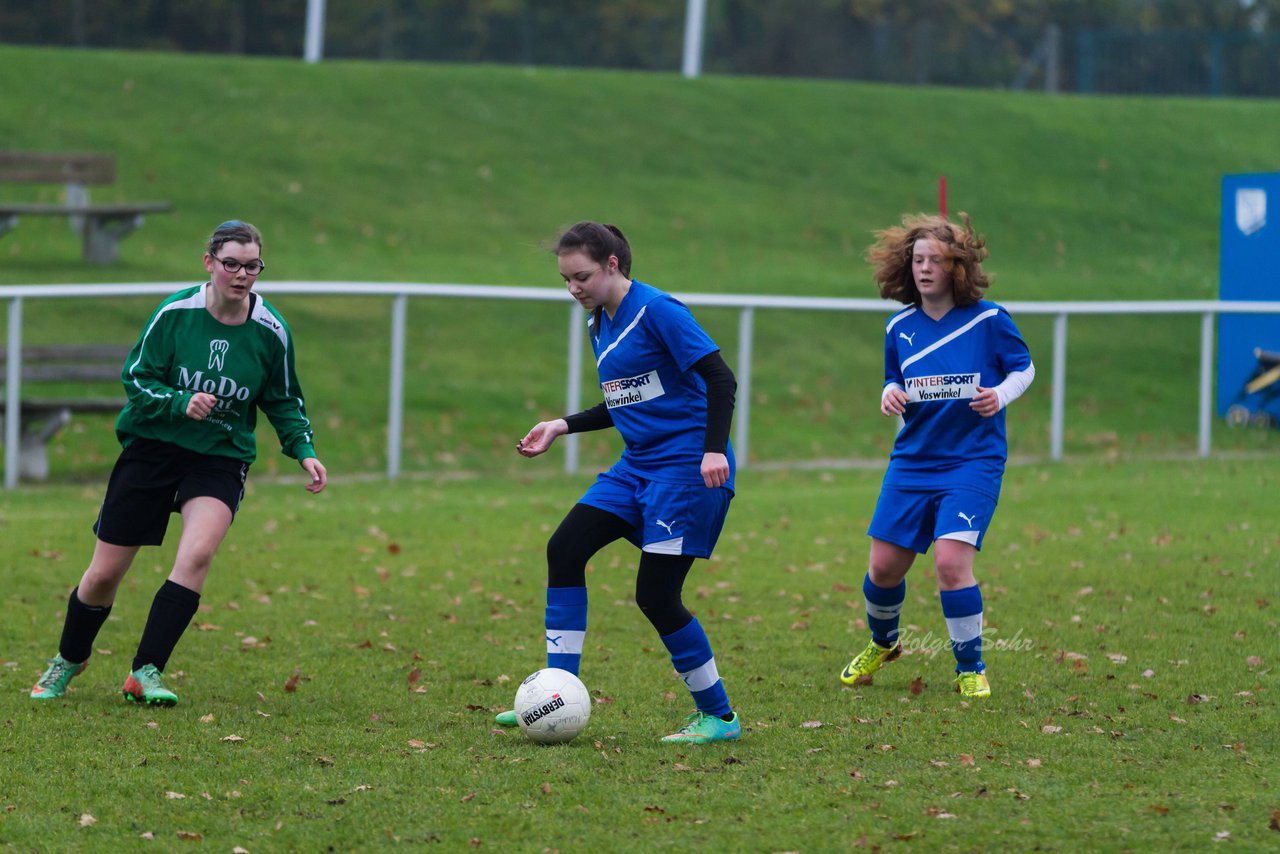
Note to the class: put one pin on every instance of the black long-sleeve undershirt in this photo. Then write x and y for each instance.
(722, 386)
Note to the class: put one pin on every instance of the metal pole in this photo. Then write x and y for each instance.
(314, 47)
(573, 387)
(13, 396)
(1206, 381)
(1056, 417)
(395, 408)
(746, 324)
(695, 16)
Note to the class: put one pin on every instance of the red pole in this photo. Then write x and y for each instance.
(942, 194)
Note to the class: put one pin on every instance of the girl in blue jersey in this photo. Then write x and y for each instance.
(670, 394)
(952, 362)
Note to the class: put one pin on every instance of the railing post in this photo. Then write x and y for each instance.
(695, 16)
(746, 325)
(1057, 413)
(13, 396)
(1206, 381)
(395, 394)
(573, 386)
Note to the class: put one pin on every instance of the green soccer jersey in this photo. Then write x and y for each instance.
(183, 350)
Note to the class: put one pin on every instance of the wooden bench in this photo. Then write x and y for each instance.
(100, 226)
(42, 417)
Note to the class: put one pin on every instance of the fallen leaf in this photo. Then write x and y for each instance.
(1033, 763)
(416, 743)
(811, 724)
(207, 719)
(966, 759)
(232, 738)
(189, 836)
(546, 788)
(415, 676)
(469, 796)
(1049, 729)
(291, 684)
(1193, 699)
(174, 796)
(87, 820)
(324, 760)
(917, 686)
(1254, 661)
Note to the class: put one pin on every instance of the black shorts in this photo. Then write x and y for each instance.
(153, 479)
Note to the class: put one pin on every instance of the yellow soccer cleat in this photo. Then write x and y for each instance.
(871, 659)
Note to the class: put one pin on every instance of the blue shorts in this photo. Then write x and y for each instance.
(666, 518)
(913, 519)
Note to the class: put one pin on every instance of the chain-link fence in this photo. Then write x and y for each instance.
(747, 37)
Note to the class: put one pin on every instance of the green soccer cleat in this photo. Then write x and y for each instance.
(701, 728)
(971, 684)
(506, 718)
(146, 685)
(53, 684)
(867, 662)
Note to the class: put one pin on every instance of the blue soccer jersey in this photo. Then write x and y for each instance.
(644, 354)
(940, 364)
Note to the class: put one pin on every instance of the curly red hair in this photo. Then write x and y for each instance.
(963, 248)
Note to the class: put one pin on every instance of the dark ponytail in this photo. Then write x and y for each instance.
(598, 242)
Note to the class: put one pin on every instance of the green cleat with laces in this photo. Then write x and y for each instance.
(146, 685)
(702, 728)
(53, 684)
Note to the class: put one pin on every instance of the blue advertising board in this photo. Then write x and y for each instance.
(1249, 269)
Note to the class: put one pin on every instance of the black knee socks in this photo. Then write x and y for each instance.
(80, 629)
(171, 613)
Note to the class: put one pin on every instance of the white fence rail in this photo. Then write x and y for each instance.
(15, 295)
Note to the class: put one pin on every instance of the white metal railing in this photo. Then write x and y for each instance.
(745, 303)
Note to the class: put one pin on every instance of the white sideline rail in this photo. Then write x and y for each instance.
(745, 303)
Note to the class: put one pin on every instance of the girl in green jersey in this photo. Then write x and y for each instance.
(207, 360)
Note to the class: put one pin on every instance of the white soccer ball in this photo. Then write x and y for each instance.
(552, 706)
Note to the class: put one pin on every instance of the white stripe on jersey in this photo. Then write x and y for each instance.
(560, 640)
(900, 316)
(991, 312)
(625, 332)
(701, 678)
(196, 300)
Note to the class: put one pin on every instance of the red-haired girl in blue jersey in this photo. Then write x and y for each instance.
(953, 361)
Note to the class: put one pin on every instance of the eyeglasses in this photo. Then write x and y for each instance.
(231, 265)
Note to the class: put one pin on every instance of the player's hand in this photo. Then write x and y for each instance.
(894, 402)
(715, 469)
(986, 402)
(200, 405)
(319, 477)
(537, 440)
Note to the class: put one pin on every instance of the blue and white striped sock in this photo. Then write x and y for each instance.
(566, 624)
(962, 610)
(884, 609)
(691, 655)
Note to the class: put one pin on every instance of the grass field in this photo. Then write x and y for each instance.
(1134, 702)
(412, 172)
